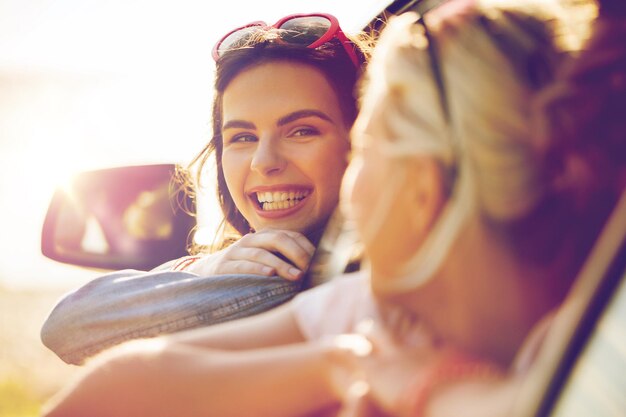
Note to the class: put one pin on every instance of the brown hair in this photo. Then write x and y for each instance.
(581, 135)
(546, 188)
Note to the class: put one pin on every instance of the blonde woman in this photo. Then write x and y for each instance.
(483, 114)
(465, 187)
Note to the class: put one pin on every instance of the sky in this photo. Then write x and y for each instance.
(87, 84)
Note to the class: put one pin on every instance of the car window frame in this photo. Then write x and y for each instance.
(593, 291)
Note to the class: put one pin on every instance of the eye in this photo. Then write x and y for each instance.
(242, 138)
(304, 131)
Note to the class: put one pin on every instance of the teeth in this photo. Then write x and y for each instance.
(280, 200)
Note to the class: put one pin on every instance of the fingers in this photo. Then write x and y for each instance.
(294, 247)
(244, 267)
(378, 336)
(268, 266)
(358, 402)
(268, 252)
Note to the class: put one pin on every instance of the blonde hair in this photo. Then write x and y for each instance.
(493, 60)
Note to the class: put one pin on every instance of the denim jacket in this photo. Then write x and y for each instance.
(132, 304)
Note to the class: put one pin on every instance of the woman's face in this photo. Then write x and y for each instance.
(284, 146)
(381, 208)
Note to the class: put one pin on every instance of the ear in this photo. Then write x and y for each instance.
(426, 194)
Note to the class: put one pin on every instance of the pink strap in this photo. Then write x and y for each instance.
(184, 263)
(453, 366)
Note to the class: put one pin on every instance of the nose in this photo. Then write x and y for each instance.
(268, 158)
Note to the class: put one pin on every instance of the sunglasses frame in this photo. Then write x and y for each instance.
(334, 31)
(438, 80)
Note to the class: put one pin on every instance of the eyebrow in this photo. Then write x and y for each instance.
(241, 124)
(301, 114)
(291, 117)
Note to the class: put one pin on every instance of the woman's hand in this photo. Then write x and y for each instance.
(430, 380)
(369, 374)
(392, 367)
(266, 252)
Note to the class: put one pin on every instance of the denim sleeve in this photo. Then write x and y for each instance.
(133, 304)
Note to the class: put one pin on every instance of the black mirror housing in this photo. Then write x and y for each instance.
(132, 217)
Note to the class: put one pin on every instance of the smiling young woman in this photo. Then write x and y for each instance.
(302, 105)
(282, 112)
(283, 160)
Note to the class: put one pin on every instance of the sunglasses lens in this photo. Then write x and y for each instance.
(237, 39)
(304, 30)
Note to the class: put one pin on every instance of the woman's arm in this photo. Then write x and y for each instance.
(272, 328)
(131, 304)
(163, 378)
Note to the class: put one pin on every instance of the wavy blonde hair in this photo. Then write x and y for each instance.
(470, 85)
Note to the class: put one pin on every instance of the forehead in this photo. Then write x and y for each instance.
(271, 90)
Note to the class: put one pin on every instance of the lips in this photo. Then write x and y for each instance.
(279, 200)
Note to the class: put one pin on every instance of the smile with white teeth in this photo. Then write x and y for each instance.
(280, 200)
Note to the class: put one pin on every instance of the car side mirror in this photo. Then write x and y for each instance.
(132, 217)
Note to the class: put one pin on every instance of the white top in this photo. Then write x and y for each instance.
(335, 307)
(343, 304)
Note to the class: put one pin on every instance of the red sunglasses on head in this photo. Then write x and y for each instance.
(307, 30)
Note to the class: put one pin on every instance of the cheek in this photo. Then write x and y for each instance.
(327, 169)
(370, 199)
(332, 176)
(354, 192)
(234, 173)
